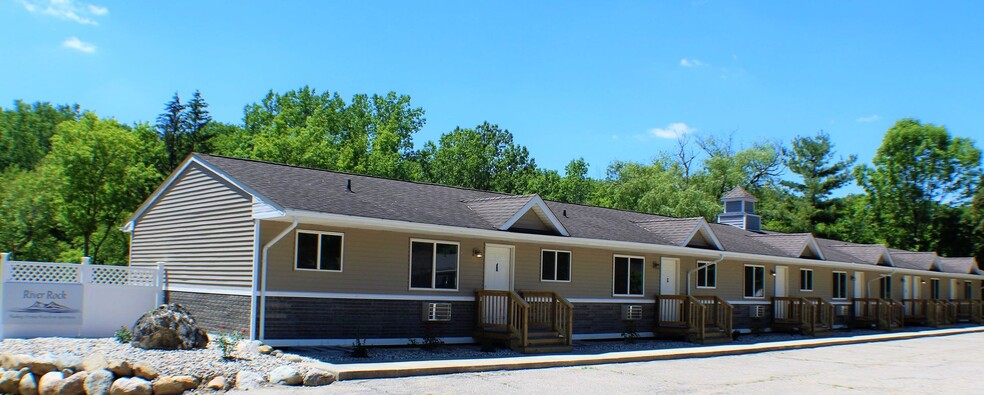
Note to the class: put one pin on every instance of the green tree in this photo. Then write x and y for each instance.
(810, 206)
(28, 222)
(576, 187)
(171, 126)
(197, 120)
(481, 158)
(918, 169)
(977, 222)
(96, 168)
(26, 130)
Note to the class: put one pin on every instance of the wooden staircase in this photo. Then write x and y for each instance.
(884, 314)
(811, 316)
(968, 310)
(929, 312)
(698, 319)
(536, 322)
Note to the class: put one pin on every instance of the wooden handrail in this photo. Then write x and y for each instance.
(718, 312)
(550, 309)
(503, 310)
(824, 314)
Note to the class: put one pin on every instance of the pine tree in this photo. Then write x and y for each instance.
(171, 126)
(198, 119)
(810, 158)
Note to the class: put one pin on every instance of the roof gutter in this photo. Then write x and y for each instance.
(699, 266)
(264, 262)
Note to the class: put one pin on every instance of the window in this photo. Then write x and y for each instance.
(886, 287)
(555, 265)
(754, 281)
(318, 251)
(968, 290)
(750, 207)
(706, 275)
(732, 207)
(840, 285)
(934, 288)
(629, 278)
(433, 265)
(806, 280)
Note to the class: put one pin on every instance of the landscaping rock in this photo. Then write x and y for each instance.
(247, 380)
(277, 353)
(144, 370)
(71, 385)
(293, 358)
(67, 362)
(168, 327)
(285, 375)
(98, 382)
(174, 385)
(318, 377)
(94, 362)
(48, 382)
(131, 386)
(28, 385)
(264, 349)
(219, 383)
(41, 365)
(9, 381)
(120, 368)
(248, 347)
(17, 361)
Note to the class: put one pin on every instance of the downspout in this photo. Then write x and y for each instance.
(263, 280)
(706, 264)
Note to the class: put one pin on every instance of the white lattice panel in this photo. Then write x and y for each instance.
(43, 273)
(115, 275)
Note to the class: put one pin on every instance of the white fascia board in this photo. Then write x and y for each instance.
(811, 243)
(536, 201)
(404, 226)
(703, 228)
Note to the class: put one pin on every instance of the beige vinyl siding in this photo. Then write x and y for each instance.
(202, 228)
(377, 262)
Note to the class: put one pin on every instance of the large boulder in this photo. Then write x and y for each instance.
(98, 382)
(131, 386)
(174, 385)
(168, 327)
(286, 374)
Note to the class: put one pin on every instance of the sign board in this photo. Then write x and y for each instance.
(42, 303)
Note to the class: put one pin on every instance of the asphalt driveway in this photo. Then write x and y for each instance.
(947, 364)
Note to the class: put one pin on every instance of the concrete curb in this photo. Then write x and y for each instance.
(424, 368)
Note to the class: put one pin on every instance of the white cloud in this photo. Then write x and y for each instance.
(78, 45)
(869, 118)
(691, 63)
(672, 131)
(69, 10)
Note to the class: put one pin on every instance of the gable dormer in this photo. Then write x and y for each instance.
(524, 213)
(739, 210)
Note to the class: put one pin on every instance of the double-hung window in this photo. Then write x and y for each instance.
(706, 275)
(629, 276)
(433, 265)
(934, 288)
(886, 287)
(754, 281)
(806, 280)
(968, 290)
(555, 265)
(318, 251)
(840, 285)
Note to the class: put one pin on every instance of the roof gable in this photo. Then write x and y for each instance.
(682, 232)
(794, 245)
(523, 213)
(871, 254)
(962, 265)
(739, 193)
(914, 260)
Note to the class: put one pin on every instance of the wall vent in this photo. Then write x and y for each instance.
(436, 311)
(756, 311)
(631, 312)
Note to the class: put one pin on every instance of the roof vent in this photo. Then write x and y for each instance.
(348, 184)
(565, 213)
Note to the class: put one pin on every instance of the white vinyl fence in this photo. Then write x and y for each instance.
(73, 300)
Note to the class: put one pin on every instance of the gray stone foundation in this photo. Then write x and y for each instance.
(214, 312)
(593, 318)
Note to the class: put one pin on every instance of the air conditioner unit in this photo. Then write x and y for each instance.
(756, 311)
(631, 312)
(436, 311)
(843, 310)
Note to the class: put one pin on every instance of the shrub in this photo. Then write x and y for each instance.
(227, 341)
(123, 335)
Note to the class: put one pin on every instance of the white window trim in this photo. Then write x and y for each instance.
(341, 258)
(457, 266)
(570, 263)
(939, 293)
(743, 282)
(629, 272)
(811, 280)
(709, 265)
(846, 289)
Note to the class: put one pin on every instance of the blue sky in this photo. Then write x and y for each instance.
(599, 80)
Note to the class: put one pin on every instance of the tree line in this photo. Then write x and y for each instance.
(69, 178)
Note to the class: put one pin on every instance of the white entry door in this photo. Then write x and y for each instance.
(917, 287)
(498, 266)
(907, 287)
(782, 281)
(860, 287)
(669, 309)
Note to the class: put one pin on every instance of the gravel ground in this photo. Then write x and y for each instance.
(342, 355)
(205, 363)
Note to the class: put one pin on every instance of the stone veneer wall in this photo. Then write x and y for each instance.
(742, 318)
(214, 312)
(594, 318)
(317, 318)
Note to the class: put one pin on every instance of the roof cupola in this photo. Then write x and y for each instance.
(739, 210)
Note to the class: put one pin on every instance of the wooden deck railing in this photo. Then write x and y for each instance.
(549, 309)
(505, 311)
(887, 314)
(787, 309)
(824, 315)
(940, 312)
(681, 310)
(969, 310)
(717, 312)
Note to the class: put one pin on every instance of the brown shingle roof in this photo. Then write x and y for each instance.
(497, 210)
(673, 231)
(913, 260)
(963, 265)
(739, 193)
(791, 244)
